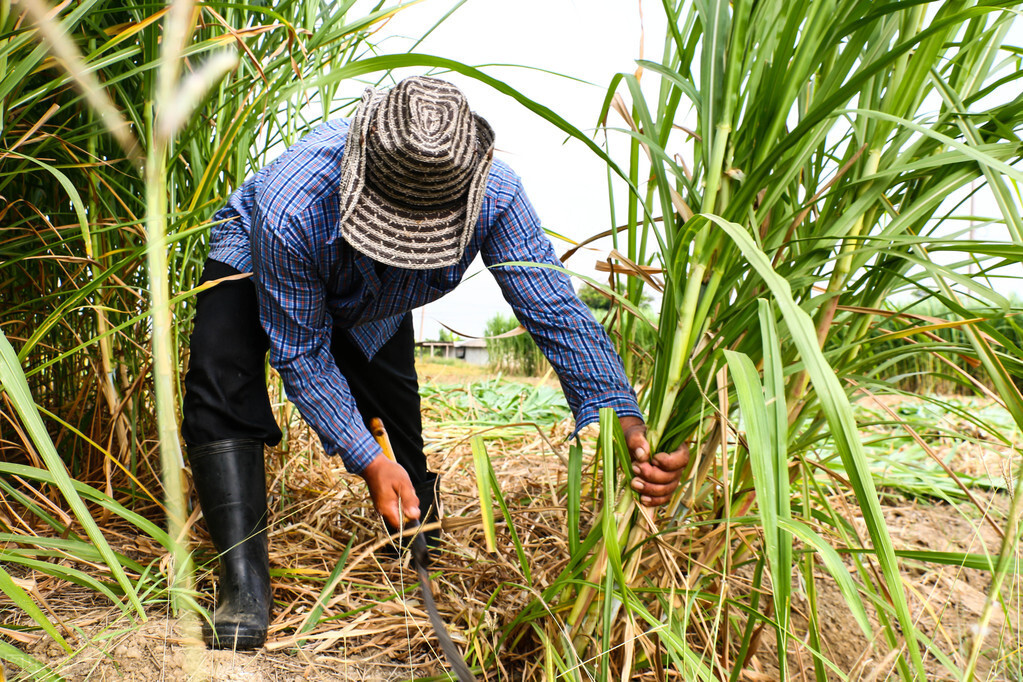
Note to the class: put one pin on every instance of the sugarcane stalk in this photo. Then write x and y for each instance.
(160, 137)
(581, 619)
(714, 169)
(95, 252)
(836, 285)
(679, 352)
(5, 14)
(172, 463)
(632, 212)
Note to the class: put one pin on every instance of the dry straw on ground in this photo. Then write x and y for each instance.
(372, 619)
(372, 625)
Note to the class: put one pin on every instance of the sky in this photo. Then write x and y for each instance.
(589, 40)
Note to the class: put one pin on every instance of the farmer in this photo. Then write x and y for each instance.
(350, 229)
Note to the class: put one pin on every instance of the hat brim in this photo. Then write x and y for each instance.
(400, 236)
(397, 236)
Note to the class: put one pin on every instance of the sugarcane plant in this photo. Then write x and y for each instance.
(789, 175)
(124, 126)
(786, 178)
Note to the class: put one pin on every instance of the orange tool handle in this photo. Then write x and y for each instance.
(376, 427)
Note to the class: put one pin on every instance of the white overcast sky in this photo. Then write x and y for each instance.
(590, 40)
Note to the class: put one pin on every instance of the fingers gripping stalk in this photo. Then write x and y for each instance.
(656, 476)
(420, 558)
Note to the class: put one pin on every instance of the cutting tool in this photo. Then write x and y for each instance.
(421, 560)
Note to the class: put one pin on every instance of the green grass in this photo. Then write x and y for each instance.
(498, 401)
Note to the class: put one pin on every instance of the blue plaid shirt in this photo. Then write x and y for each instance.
(282, 226)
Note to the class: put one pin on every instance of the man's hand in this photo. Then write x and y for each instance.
(388, 483)
(657, 476)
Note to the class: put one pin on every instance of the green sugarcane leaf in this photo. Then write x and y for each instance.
(382, 63)
(482, 459)
(66, 573)
(92, 495)
(609, 519)
(23, 601)
(328, 590)
(777, 422)
(969, 150)
(72, 192)
(481, 464)
(981, 562)
(13, 381)
(844, 429)
(833, 562)
(38, 512)
(759, 434)
(689, 664)
(573, 495)
(60, 548)
(15, 656)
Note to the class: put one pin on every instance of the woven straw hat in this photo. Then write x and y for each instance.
(413, 174)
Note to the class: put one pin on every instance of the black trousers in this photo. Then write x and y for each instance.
(225, 386)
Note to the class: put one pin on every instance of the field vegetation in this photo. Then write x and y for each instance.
(785, 190)
(510, 349)
(931, 372)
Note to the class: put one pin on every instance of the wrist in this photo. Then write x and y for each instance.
(628, 423)
(371, 469)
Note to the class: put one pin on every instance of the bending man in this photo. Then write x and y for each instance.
(350, 229)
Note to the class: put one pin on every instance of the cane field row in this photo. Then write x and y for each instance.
(790, 187)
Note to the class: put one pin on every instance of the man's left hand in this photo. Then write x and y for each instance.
(655, 477)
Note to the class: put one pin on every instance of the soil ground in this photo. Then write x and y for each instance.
(376, 627)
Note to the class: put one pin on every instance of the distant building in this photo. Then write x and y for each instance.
(473, 351)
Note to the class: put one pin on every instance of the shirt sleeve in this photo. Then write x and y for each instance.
(292, 308)
(577, 346)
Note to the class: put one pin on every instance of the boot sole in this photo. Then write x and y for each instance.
(233, 637)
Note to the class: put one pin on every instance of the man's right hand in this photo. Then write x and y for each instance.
(388, 483)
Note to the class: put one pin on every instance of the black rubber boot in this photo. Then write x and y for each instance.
(230, 480)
